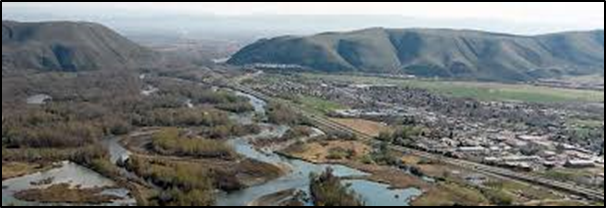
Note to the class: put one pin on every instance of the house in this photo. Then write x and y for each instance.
(472, 150)
(579, 164)
(519, 158)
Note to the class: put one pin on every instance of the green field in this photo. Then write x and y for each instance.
(319, 105)
(479, 90)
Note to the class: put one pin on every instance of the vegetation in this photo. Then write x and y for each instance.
(478, 90)
(182, 117)
(281, 114)
(319, 105)
(451, 194)
(183, 184)
(339, 154)
(384, 156)
(327, 190)
(63, 193)
(498, 197)
(17, 169)
(82, 155)
(169, 141)
(230, 130)
(297, 132)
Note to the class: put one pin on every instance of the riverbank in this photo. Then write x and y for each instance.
(65, 194)
(19, 169)
(67, 184)
(274, 199)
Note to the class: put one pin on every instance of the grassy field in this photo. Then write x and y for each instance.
(479, 90)
(365, 126)
(319, 105)
(18, 169)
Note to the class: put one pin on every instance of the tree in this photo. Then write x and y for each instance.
(327, 190)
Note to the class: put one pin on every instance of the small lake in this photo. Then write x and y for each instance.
(69, 173)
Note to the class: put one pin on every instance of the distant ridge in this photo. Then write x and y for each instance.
(69, 46)
(447, 53)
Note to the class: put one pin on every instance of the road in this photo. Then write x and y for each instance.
(328, 125)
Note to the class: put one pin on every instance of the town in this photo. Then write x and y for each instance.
(523, 136)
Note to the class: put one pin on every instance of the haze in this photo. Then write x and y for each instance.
(519, 18)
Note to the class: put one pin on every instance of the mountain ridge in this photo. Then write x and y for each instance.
(69, 46)
(469, 54)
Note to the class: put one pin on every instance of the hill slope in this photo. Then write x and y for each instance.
(68, 46)
(436, 52)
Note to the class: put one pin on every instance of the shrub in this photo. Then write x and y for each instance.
(169, 142)
(327, 190)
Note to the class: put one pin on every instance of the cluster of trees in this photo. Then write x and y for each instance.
(182, 117)
(296, 132)
(57, 135)
(169, 141)
(340, 153)
(183, 184)
(403, 135)
(382, 155)
(229, 130)
(278, 113)
(327, 190)
(82, 155)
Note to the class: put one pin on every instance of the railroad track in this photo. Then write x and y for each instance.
(329, 125)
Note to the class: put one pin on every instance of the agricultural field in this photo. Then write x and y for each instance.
(479, 90)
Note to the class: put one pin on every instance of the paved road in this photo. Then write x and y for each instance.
(328, 125)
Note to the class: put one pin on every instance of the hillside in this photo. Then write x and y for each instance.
(436, 52)
(68, 46)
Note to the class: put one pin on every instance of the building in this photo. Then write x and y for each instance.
(472, 150)
(519, 158)
(579, 164)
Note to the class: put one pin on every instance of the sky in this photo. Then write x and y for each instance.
(541, 17)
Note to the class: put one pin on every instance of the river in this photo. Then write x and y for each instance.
(374, 194)
(68, 173)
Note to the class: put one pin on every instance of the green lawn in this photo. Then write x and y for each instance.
(319, 105)
(480, 90)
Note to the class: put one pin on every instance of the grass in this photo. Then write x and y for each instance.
(479, 90)
(585, 123)
(371, 128)
(451, 194)
(514, 187)
(328, 151)
(320, 105)
(18, 169)
(63, 193)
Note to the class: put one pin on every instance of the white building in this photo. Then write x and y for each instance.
(579, 164)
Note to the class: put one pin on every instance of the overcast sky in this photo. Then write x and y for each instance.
(558, 16)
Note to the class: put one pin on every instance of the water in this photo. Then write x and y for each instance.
(376, 194)
(298, 178)
(117, 153)
(149, 90)
(39, 99)
(258, 104)
(69, 173)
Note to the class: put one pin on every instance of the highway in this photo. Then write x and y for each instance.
(328, 125)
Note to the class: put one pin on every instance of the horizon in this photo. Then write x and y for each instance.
(311, 18)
